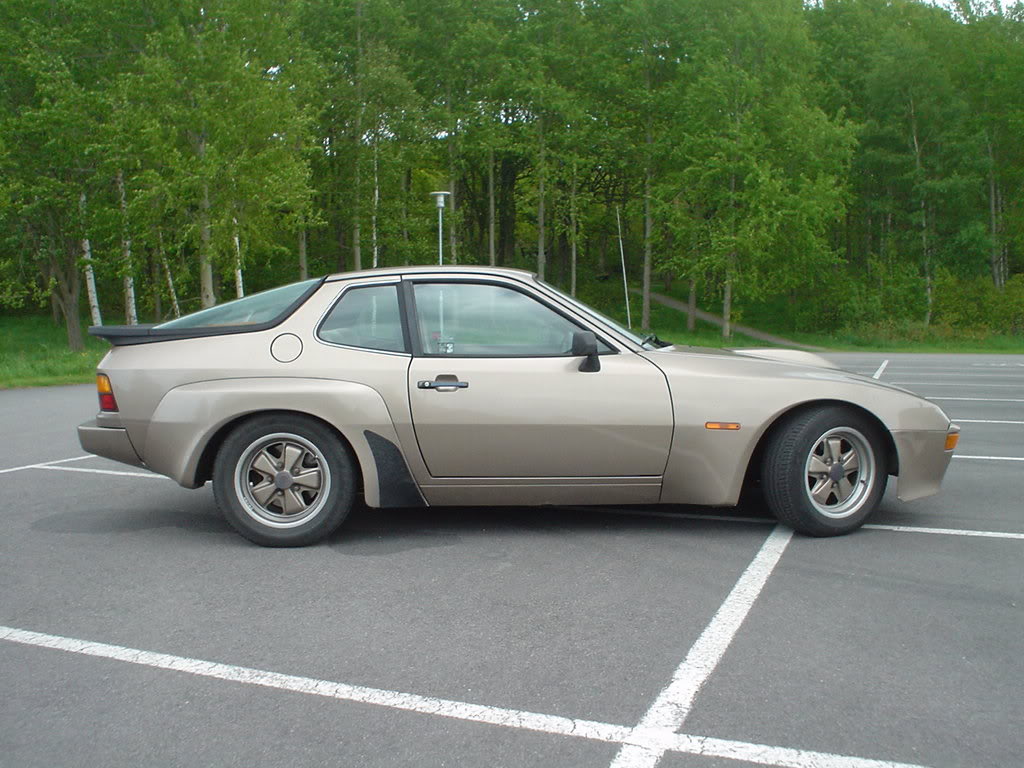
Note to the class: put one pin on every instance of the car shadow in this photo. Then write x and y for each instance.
(386, 531)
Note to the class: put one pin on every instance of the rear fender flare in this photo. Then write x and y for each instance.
(190, 416)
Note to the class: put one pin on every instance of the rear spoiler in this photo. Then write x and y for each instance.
(126, 335)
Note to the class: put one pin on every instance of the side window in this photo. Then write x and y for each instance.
(366, 317)
(470, 319)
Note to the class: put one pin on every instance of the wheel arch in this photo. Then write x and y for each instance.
(208, 454)
(783, 417)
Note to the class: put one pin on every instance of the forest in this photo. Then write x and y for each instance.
(819, 165)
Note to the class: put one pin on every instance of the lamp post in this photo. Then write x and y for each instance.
(439, 198)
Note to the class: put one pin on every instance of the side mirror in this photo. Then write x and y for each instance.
(584, 344)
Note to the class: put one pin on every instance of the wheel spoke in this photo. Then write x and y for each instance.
(265, 464)
(262, 492)
(291, 456)
(816, 466)
(851, 461)
(309, 479)
(844, 488)
(291, 502)
(834, 449)
(822, 490)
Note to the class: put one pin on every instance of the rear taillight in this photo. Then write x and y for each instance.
(107, 401)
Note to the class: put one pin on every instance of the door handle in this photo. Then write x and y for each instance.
(442, 384)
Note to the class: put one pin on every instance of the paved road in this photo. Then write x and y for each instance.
(562, 627)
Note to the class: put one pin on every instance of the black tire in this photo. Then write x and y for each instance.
(824, 471)
(284, 480)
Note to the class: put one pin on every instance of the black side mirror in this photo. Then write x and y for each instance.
(584, 344)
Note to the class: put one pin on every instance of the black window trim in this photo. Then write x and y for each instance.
(409, 283)
(396, 282)
(127, 335)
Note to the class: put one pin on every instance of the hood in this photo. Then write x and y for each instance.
(795, 356)
(789, 363)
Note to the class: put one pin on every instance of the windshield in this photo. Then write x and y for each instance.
(644, 341)
(252, 310)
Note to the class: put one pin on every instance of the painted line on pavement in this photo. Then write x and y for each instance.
(945, 531)
(45, 464)
(975, 399)
(963, 384)
(477, 713)
(649, 740)
(881, 369)
(102, 471)
(990, 458)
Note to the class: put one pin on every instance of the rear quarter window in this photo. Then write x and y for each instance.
(259, 309)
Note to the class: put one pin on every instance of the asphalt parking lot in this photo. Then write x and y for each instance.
(136, 629)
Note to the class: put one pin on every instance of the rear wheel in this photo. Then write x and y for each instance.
(824, 471)
(284, 481)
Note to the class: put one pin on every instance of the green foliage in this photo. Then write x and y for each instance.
(831, 166)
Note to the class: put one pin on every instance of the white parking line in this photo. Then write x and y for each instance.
(989, 458)
(649, 740)
(881, 369)
(976, 399)
(101, 471)
(45, 464)
(962, 384)
(946, 531)
(427, 705)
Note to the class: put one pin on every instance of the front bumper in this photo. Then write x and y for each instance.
(923, 460)
(108, 442)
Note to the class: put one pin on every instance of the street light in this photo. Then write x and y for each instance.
(439, 198)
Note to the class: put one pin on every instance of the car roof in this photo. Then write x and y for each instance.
(519, 274)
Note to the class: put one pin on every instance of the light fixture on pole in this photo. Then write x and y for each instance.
(439, 198)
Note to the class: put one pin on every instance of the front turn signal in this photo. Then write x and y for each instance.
(951, 440)
(107, 401)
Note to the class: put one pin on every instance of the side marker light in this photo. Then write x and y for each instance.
(951, 440)
(731, 426)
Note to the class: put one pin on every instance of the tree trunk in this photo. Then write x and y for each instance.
(406, 187)
(206, 296)
(239, 287)
(997, 263)
(131, 315)
(376, 206)
(490, 206)
(691, 307)
(453, 239)
(357, 250)
(66, 289)
(727, 309)
(154, 280)
(303, 262)
(645, 312)
(541, 255)
(90, 277)
(572, 234)
(167, 271)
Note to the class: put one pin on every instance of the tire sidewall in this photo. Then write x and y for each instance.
(339, 465)
(788, 460)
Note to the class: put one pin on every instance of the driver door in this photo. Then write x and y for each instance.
(496, 393)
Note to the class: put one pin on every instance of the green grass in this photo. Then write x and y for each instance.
(34, 352)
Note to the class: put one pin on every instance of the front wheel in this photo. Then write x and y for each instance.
(824, 471)
(284, 481)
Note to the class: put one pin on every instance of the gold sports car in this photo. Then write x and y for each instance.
(474, 386)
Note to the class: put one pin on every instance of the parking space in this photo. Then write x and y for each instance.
(569, 637)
